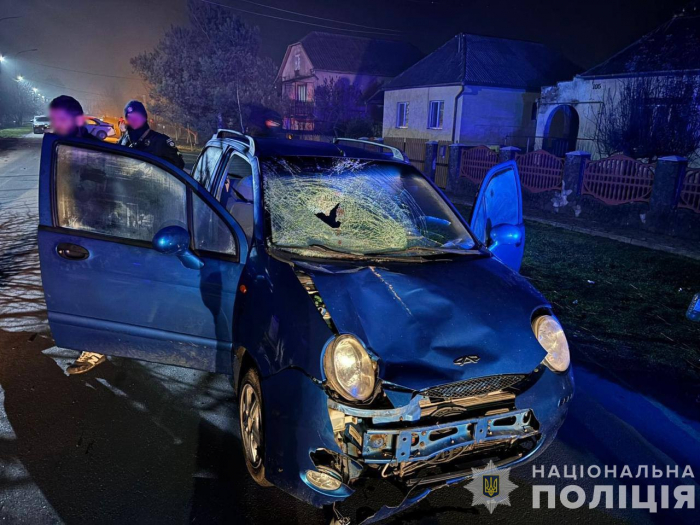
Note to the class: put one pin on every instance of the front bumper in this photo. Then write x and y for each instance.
(414, 444)
(400, 442)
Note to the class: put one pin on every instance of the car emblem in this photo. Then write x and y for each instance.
(466, 360)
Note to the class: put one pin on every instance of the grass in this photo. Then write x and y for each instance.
(623, 305)
(14, 133)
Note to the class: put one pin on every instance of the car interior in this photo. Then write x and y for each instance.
(237, 193)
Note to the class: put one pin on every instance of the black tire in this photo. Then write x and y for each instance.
(251, 419)
(101, 135)
(37, 132)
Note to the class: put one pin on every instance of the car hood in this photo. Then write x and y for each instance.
(419, 318)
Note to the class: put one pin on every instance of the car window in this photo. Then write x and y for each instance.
(205, 169)
(236, 193)
(103, 192)
(90, 121)
(237, 169)
(211, 233)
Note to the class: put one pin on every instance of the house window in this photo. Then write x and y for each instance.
(301, 92)
(297, 62)
(402, 115)
(435, 112)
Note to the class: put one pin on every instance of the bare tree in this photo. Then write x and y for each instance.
(651, 117)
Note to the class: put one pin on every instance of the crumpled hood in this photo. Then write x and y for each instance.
(418, 318)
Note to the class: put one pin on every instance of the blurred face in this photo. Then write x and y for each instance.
(135, 120)
(63, 123)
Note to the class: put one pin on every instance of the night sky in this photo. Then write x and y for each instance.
(102, 35)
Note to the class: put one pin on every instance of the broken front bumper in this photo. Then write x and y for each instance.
(391, 445)
(400, 442)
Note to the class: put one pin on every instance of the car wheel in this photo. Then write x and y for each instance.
(101, 135)
(36, 132)
(250, 410)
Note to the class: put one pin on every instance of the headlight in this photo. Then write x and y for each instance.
(349, 369)
(551, 336)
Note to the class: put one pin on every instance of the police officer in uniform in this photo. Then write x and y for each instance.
(140, 136)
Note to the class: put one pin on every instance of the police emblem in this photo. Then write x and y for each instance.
(129, 109)
(490, 486)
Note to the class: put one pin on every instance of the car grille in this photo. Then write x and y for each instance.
(473, 387)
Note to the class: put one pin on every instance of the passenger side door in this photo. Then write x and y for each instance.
(137, 260)
(497, 216)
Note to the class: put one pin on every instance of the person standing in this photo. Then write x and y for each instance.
(140, 136)
(67, 120)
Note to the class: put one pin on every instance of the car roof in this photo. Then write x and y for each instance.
(281, 147)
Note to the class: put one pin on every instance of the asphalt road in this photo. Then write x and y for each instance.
(143, 443)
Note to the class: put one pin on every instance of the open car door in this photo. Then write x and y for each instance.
(497, 217)
(137, 259)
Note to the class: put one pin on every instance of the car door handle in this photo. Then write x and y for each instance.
(72, 252)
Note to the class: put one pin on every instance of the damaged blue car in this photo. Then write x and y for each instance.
(371, 333)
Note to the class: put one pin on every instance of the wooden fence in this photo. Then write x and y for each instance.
(618, 180)
(540, 171)
(689, 197)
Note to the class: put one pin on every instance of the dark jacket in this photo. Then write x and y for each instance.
(158, 144)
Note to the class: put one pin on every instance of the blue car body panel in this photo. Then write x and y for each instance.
(127, 299)
(500, 202)
(418, 318)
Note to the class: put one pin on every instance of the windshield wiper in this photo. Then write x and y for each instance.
(320, 247)
(426, 252)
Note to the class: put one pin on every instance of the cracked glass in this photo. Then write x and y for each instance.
(351, 206)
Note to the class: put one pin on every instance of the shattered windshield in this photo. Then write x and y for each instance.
(322, 206)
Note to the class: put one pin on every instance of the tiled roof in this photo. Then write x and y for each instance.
(350, 54)
(674, 46)
(487, 61)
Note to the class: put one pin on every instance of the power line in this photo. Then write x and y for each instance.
(59, 86)
(292, 20)
(79, 71)
(318, 17)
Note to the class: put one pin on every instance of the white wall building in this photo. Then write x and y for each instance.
(569, 112)
(474, 90)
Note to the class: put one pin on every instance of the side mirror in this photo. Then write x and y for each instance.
(175, 240)
(505, 234)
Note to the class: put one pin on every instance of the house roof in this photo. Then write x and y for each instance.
(487, 61)
(351, 54)
(671, 47)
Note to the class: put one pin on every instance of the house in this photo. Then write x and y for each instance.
(572, 113)
(365, 63)
(474, 90)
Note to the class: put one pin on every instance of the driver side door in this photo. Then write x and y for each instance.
(497, 216)
(108, 288)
